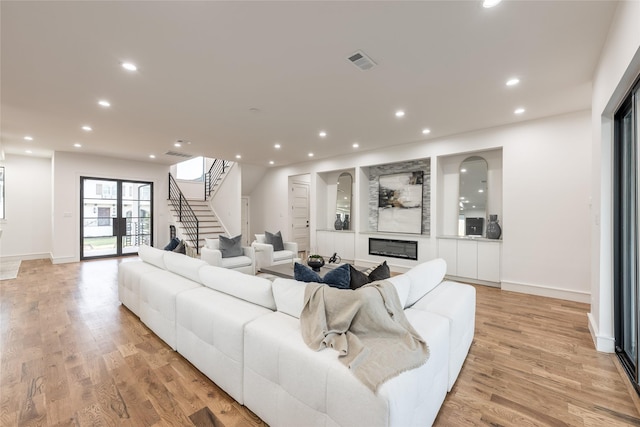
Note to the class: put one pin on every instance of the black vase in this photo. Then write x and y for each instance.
(345, 223)
(338, 223)
(493, 228)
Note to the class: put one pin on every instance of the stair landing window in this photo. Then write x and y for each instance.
(191, 170)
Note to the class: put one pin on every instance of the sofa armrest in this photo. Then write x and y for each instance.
(291, 246)
(250, 252)
(263, 254)
(211, 256)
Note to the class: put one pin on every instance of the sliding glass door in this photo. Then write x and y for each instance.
(116, 217)
(626, 237)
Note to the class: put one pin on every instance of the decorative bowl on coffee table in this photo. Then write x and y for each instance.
(315, 262)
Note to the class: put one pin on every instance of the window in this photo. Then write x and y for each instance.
(191, 170)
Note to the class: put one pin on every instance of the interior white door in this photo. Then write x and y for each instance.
(299, 202)
(244, 221)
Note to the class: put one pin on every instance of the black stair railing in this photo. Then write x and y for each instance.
(186, 216)
(214, 174)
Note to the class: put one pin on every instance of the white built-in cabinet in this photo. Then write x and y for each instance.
(341, 242)
(474, 259)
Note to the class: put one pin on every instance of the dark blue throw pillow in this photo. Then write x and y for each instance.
(172, 244)
(339, 277)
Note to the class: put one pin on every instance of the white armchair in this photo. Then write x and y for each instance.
(211, 253)
(266, 255)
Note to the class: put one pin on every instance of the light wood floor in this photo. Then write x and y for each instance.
(71, 355)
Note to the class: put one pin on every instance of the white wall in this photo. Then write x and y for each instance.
(618, 66)
(545, 212)
(226, 203)
(67, 170)
(27, 227)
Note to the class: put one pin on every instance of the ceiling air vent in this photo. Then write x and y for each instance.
(177, 154)
(362, 61)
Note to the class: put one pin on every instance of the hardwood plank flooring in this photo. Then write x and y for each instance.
(71, 355)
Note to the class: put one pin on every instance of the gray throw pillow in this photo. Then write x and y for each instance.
(230, 247)
(275, 240)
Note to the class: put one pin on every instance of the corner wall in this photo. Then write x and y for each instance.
(619, 65)
(27, 228)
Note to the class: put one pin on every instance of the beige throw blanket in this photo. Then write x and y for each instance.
(367, 327)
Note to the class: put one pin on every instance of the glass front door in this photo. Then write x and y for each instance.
(116, 217)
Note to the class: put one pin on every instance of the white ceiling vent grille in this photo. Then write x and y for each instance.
(177, 154)
(361, 60)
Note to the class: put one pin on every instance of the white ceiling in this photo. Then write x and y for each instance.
(204, 65)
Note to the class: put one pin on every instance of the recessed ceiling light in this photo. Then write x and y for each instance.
(28, 138)
(322, 134)
(519, 111)
(104, 103)
(513, 82)
(461, 197)
(277, 146)
(481, 191)
(238, 156)
(355, 145)
(152, 156)
(399, 113)
(271, 162)
(87, 128)
(426, 131)
(129, 66)
(28, 151)
(490, 3)
(310, 154)
(77, 145)
(177, 144)
(463, 170)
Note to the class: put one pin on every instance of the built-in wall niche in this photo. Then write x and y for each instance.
(399, 197)
(453, 211)
(335, 196)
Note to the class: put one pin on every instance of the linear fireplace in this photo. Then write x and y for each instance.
(405, 249)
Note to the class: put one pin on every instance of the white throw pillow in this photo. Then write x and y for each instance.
(424, 278)
(261, 238)
(289, 296)
(152, 256)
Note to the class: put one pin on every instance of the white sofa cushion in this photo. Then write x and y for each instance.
(402, 283)
(244, 286)
(210, 334)
(261, 238)
(424, 277)
(236, 261)
(183, 265)
(152, 255)
(289, 296)
(288, 384)
(129, 275)
(212, 243)
(282, 255)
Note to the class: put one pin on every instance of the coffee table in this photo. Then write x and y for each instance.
(286, 270)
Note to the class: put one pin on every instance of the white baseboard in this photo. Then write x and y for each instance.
(63, 259)
(602, 343)
(548, 291)
(25, 257)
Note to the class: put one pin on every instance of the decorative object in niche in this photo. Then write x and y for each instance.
(345, 223)
(400, 203)
(315, 262)
(494, 231)
(343, 198)
(473, 196)
(338, 224)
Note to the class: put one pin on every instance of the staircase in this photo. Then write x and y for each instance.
(193, 217)
(209, 226)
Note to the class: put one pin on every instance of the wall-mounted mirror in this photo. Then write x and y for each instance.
(472, 203)
(343, 201)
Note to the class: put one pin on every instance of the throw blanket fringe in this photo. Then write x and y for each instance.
(367, 327)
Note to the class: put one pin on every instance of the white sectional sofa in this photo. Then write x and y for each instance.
(243, 332)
